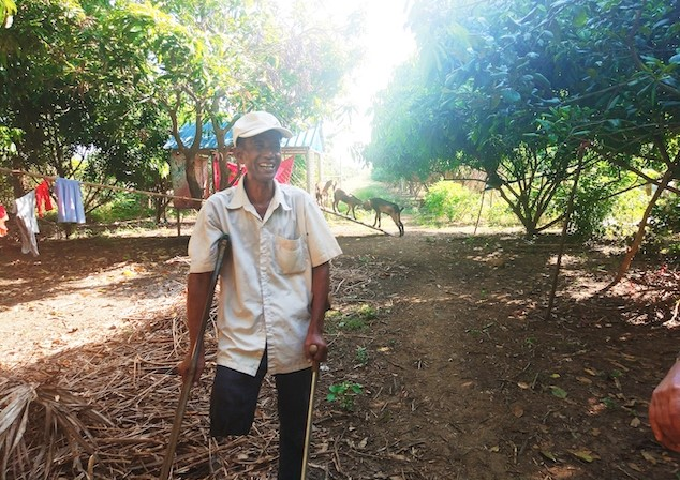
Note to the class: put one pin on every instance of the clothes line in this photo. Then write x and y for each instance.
(100, 185)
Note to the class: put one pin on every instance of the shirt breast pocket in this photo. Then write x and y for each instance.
(291, 255)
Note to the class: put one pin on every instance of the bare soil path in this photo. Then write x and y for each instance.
(461, 375)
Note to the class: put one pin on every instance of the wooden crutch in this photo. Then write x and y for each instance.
(310, 411)
(222, 248)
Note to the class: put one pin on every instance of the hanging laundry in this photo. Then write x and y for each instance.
(24, 207)
(69, 201)
(42, 198)
(3, 218)
(234, 172)
(285, 171)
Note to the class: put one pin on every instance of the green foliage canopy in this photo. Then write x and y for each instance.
(521, 85)
(114, 77)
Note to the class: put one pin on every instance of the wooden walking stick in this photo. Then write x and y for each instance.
(223, 245)
(310, 411)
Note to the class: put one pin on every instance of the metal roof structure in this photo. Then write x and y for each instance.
(311, 139)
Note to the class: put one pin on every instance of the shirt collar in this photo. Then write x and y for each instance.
(239, 197)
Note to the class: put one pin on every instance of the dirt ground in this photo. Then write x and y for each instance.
(462, 376)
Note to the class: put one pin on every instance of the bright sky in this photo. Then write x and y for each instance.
(387, 44)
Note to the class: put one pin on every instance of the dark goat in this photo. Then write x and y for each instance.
(319, 195)
(380, 206)
(327, 190)
(351, 201)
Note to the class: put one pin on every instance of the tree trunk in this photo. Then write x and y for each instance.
(161, 207)
(565, 225)
(526, 220)
(635, 246)
(226, 179)
(195, 189)
(18, 182)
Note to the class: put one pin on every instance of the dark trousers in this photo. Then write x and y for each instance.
(232, 409)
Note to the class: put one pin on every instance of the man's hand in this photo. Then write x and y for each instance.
(321, 353)
(184, 367)
(664, 410)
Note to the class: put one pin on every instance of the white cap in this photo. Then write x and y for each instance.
(257, 122)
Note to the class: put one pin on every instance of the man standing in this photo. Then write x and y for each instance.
(273, 292)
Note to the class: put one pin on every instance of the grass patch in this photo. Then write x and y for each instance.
(354, 320)
(362, 356)
(343, 393)
(352, 323)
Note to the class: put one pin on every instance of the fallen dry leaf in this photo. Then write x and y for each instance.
(649, 457)
(585, 455)
(549, 455)
(618, 364)
(557, 391)
(517, 410)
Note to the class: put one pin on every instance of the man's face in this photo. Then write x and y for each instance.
(261, 154)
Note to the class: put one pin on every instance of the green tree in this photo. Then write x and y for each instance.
(523, 83)
(405, 138)
(108, 77)
(72, 81)
(626, 78)
(479, 109)
(250, 55)
(7, 10)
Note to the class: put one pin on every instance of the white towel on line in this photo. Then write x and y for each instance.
(69, 201)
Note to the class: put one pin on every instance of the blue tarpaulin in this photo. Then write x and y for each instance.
(208, 138)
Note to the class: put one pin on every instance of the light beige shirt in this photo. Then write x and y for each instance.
(266, 283)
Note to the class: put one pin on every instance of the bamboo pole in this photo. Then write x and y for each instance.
(479, 214)
(567, 219)
(347, 217)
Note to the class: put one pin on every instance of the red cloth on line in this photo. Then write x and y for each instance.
(283, 174)
(285, 170)
(233, 170)
(42, 198)
(3, 218)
